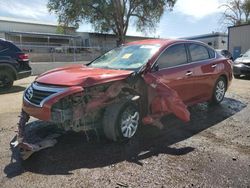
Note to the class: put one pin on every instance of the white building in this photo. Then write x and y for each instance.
(36, 34)
(238, 39)
(216, 40)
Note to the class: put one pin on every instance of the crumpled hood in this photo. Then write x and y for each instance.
(81, 75)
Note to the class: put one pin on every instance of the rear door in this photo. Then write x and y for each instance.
(204, 65)
(174, 70)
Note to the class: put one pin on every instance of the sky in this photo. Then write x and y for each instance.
(189, 17)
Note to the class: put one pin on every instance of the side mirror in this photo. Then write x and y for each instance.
(241, 55)
(155, 68)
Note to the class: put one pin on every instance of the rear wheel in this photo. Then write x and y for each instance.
(6, 80)
(219, 91)
(121, 121)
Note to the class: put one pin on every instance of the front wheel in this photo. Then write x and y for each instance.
(219, 91)
(121, 121)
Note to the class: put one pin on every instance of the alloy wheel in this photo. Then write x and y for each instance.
(220, 90)
(129, 122)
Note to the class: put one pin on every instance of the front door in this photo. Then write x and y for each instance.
(174, 70)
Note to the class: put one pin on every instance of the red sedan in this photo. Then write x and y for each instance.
(134, 84)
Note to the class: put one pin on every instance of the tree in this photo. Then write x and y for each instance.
(111, 15)
(246, 10)
(236, 12)
(62, 29)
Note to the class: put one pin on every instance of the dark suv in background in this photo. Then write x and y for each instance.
(225, 53)
(14, 64)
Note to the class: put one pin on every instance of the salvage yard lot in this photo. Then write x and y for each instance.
(212, 150)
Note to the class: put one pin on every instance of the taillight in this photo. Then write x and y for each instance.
(23, 57)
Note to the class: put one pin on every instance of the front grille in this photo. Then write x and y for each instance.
(37, 94)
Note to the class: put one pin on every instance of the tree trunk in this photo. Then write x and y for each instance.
(121, 40)
(119, 19)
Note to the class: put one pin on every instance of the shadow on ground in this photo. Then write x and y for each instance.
(14, 89)
(73, 152)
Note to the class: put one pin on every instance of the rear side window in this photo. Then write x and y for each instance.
(211, 53)
(198, 52)
(173, 56)
(13, 47)
(2, 47)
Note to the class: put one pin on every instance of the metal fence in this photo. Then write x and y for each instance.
(62, 53)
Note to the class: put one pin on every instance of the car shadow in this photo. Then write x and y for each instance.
(14, 89)
(73, 151)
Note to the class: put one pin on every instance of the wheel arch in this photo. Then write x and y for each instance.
(6, 66)
(226, 79)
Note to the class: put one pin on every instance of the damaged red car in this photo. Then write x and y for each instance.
(134, 84)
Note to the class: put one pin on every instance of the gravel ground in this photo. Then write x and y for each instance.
(212, 150)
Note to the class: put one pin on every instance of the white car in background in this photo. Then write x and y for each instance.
(242, 65)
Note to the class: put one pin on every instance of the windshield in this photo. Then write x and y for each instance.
(126, 57)
(247, 54)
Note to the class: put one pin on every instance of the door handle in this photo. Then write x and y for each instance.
(214, 65)
(189, 73)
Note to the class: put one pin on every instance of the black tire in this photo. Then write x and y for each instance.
(112, 122)
(6, 80)
(236, 76)
(219, 91)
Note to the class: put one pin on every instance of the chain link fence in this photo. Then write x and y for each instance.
(41, 53)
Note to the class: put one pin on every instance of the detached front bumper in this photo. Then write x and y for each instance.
(38, 100)
(239, 69)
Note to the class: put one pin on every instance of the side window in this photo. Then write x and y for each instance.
(173, 56)
(2, 47)
(13, 47)
(198, 52)
(211, 53)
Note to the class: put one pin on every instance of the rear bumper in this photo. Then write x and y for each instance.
(239, 69)
(23, 74)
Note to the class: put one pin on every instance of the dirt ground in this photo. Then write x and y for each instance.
(212, 150)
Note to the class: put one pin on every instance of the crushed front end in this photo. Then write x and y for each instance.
(38, 100)
(82, 109)
(67, 108)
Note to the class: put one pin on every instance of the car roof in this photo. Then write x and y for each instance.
(161, 42)
(3, 41)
